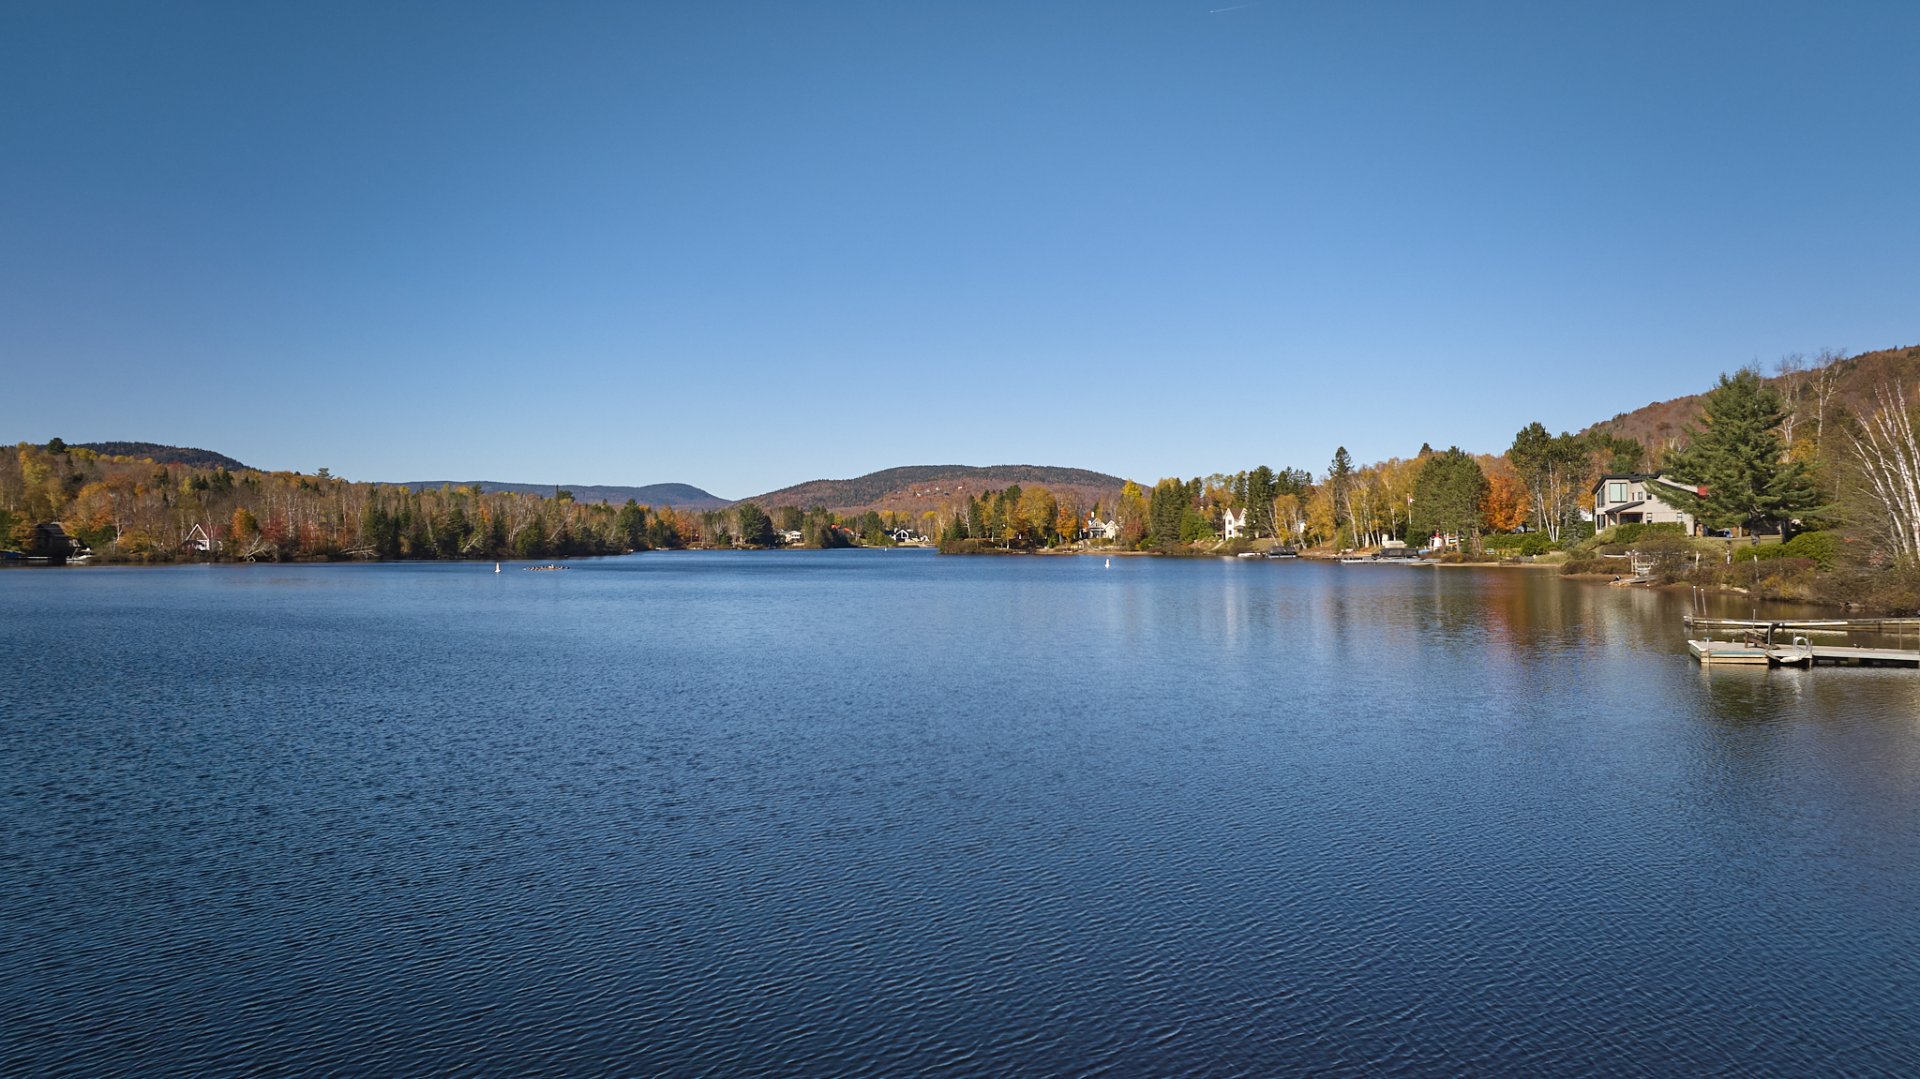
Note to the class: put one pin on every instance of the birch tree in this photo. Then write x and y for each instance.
(1887, 453)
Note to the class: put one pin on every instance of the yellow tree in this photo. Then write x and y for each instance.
(1038, 508)
(1287, 521)
(1131, 514)
(1322, 521)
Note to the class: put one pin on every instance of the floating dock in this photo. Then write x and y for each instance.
(1799, 654)
(1817, 625)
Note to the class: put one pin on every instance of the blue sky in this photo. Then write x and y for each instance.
(744, 244)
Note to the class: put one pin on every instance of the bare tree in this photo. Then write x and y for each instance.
(1826, 380)
(1887, 452)
(1790, 379)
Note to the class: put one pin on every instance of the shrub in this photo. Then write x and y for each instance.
(1891, 589)
(1760, 554)
(1822, 547)
(1634, 531)
(1523, 543)
(1788, 578)
(1611, 566)
(1671, 553)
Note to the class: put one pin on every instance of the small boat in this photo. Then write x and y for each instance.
(1248, 554)
(1283, 552)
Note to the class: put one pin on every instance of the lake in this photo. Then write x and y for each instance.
(883, 813)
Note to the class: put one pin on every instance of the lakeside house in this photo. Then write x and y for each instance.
(1232, 525)
(1634, 498)
(1095, 528)
(197, 540)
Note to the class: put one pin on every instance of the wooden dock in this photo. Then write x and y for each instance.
(1817, 625)
(1799, 653)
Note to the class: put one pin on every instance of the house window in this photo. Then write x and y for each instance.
(1616, 491)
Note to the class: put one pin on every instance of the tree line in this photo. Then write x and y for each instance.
(132, 509)
(1775, 455)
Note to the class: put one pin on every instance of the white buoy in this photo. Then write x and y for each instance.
(1109, 563)
(496, 567)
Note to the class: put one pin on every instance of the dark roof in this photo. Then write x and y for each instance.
(1630, 476)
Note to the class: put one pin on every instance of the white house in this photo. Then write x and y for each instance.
(1095, 528)
(1633, 497)
(197, 540)
(1233, 525)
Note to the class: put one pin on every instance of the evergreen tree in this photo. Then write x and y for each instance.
(1447, 495)
(756, 528)
(1260, 493)
(1739, 457)
(1167, 506)
(1340, 485)
(1623, 455)
(630, 526)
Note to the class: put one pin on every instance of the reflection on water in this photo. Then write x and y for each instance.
(874, 813)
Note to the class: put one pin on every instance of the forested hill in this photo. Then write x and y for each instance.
(678, 495)
(166, 455)
(921, 487)
(1824, 386)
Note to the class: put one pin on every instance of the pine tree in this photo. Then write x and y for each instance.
(1340, 485)
(1258, 501)
(1166, 508)
(1738, 456)
(1447, 495)
(756, 528)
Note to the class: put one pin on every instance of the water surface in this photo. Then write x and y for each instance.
(881, 813)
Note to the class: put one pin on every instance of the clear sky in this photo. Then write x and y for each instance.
(743, 244)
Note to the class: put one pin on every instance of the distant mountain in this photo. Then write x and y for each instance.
(166, 455)
(913, 488)
(678, 495)
(1849, 384)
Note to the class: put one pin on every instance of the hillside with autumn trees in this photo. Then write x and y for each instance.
(914, 489)
(1814, 469)
(135, 509)
(1828, 449)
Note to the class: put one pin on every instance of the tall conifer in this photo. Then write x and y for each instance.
(1738, 456)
